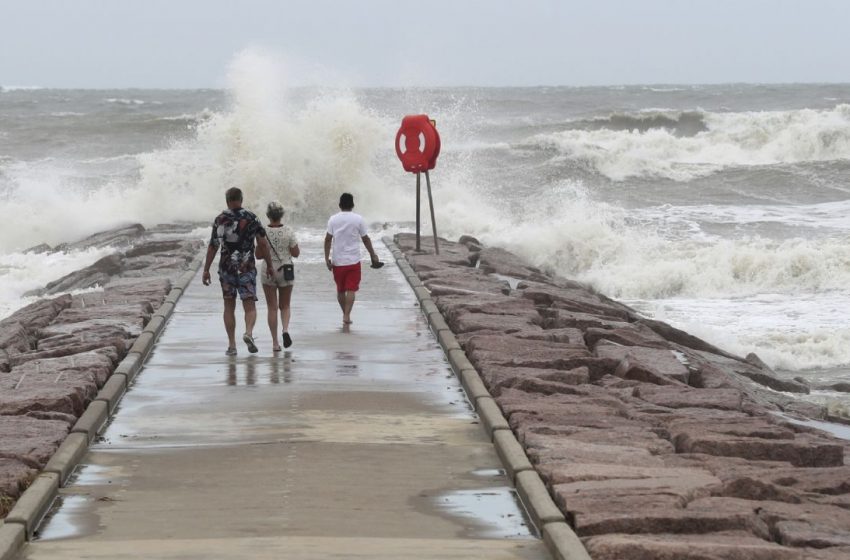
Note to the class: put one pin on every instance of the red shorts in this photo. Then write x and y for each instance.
(347, 277)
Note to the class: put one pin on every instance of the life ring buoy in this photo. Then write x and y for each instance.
(417, 143)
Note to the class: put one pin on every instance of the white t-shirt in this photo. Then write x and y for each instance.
(347, 228)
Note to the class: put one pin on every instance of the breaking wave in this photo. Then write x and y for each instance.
(303, 157)
(686, 145)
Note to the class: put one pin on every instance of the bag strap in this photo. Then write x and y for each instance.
(273, 249)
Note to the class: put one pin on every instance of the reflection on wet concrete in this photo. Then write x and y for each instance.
(346, 364)
(70, 516)
(273, 370)
(493, 513)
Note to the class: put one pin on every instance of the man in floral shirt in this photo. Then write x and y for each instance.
(234, 232)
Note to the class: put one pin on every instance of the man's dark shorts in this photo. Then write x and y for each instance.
(244, 284)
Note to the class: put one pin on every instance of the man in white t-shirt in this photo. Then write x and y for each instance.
(346, 230)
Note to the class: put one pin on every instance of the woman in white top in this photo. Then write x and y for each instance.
(278, 289)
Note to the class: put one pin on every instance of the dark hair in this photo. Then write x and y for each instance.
(233, 194)
(346, 201)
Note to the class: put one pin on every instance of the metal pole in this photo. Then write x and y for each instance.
(433, 220)
(418, 196)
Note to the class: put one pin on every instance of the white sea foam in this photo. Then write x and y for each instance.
(19, 88)
(825, 215)
(21, 273)
(125, 101)
(731, 139)
(566, 231)
(305, 158)
(788, 332)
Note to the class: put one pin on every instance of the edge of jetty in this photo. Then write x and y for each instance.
(644, 441)
(66, 360)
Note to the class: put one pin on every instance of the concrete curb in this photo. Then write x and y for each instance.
(113, 390)
(129, 367)
(491, 416)
(143, 344)
(533, 492)
(68, 456)
(155, 325)
(92, 420)
(473, 385)
(563, 543)
(36, 501)
(560, 539)
(12, 538)
(448, 341)
(512, 455)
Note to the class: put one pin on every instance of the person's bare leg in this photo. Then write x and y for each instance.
(272, 302)
(285, 297)
(250, 307)
(230, 321)
(285, 309)
(340, 298)
(348, 304)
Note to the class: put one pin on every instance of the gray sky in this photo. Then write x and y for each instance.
(189, 43)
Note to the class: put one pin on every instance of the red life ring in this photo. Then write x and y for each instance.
(417, 143)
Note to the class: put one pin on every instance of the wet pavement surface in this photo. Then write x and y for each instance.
(354, 443)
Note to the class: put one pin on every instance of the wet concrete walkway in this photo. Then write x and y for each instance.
(355, 444)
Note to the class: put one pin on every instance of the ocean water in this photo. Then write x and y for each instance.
(723, 209)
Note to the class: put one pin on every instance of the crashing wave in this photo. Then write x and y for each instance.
(658, 144)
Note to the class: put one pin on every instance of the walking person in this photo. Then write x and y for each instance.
(345, 231)
(278, 286)
(234, 231)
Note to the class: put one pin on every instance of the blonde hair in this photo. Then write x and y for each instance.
(274, 211)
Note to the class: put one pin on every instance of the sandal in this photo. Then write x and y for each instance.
(249, 340)
(230, 351)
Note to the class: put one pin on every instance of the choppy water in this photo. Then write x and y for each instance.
(722, 209)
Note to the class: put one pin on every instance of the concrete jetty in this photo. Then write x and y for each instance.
(357, 444)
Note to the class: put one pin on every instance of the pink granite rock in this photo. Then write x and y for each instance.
(515, 352)
(577, 299)
(561, 318)
(15, 477)
(30, 440)
(497, 378)
(573, 337)
(649, 365)
(727, 545)
(679, 396)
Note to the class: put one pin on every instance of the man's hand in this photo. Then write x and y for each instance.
(328, 262)
(205, 278)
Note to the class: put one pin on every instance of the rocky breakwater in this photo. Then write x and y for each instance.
(56, 353)
(653, 443)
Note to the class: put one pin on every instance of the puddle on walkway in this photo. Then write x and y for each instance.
(495, 512)
(70, 516)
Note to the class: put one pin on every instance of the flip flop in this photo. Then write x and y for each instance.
(287, 340)
(249, 340)
(377, 264)
(230, 352)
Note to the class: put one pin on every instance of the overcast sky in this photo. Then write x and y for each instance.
(188, 43)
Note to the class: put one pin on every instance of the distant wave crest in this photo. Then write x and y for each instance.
(683, 146)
